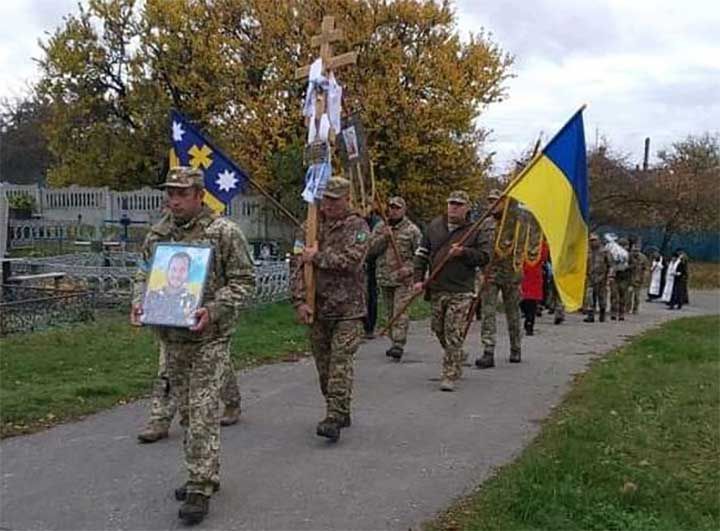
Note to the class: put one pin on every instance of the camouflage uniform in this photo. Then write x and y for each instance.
(174, 305)
(195, 362)
(506, 280)
(640, 265)
(340, 305)
(395, 280)
(162, 402)
(620, 287)
(452, 291)
(598, 266)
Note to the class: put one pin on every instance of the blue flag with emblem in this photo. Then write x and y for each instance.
(223, 178)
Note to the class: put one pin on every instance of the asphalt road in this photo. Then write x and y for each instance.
(411, 450)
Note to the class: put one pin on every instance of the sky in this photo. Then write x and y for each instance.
(644, 68)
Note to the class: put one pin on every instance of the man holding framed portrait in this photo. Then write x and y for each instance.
(195, 274)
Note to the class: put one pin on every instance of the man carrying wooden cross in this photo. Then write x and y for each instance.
(336, 323)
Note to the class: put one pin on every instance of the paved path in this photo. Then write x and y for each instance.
(411, 450)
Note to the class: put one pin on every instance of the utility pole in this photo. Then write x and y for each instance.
(646, 157)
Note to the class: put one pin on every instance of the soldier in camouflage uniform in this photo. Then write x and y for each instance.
(196, 357)
(395, 279)
(452, 291)
(620, 285)
(640, 266)
(598, 267)
(500, 276)
(340, 307)
(174, 299)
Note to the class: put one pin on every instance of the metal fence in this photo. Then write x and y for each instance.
(27, 308)
(109, 275)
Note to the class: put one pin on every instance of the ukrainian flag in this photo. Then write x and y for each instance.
(554, 188)
(223, 178)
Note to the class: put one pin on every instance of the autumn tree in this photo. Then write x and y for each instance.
(112, 72)
(24, 156)
(686, 187)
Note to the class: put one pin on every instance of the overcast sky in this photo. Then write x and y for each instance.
(643, 67)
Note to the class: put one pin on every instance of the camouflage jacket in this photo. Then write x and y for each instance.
(599, 262)
(458, 275)
(230, 281)
(340, 281)
(407, 238)
(640, 264)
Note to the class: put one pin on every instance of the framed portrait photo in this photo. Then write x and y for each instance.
(175, 285)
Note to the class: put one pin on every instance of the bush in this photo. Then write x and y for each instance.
(22, 202)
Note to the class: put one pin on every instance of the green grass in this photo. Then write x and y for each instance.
(634, 446)
(60, 374)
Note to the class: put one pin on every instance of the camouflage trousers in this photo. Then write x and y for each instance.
(633, 302)
(162, 401)
(396, 297)
(334, 344)
(449, 316)
(511, 301)
(619, 296)
(595, 297)
(195, 372)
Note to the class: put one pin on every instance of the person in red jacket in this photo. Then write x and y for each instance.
(531, 288)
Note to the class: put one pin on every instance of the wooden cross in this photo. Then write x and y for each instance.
(328, 35)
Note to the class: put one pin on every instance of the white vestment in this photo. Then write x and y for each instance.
(670, 280)
(655, 277)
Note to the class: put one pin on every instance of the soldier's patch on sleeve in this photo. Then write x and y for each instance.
(361, 236)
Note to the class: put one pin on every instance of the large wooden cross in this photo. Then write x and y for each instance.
(328, 35)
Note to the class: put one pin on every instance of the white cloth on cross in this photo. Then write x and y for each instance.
(333, 106)
(319, 133)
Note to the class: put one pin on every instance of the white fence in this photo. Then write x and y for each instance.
(99, 206)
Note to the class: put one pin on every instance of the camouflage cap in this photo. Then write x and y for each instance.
(397, 201)
(459, 196)
(184, 177)
(623, 241)
(494, 194)
(337, 187)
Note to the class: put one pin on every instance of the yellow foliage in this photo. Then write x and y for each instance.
(229, 65)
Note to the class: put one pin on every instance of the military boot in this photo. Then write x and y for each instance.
(486, 362)
(195, 508)
(152, 434)
(447, 385)
(558, 320)
(515, 356)
(345, 421)
(230, 416)
(590, 318)
(395, 352)
(329, 428)
(602, 316)
(181, 492)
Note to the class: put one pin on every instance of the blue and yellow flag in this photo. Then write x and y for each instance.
(554, 187)
(223, 178)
